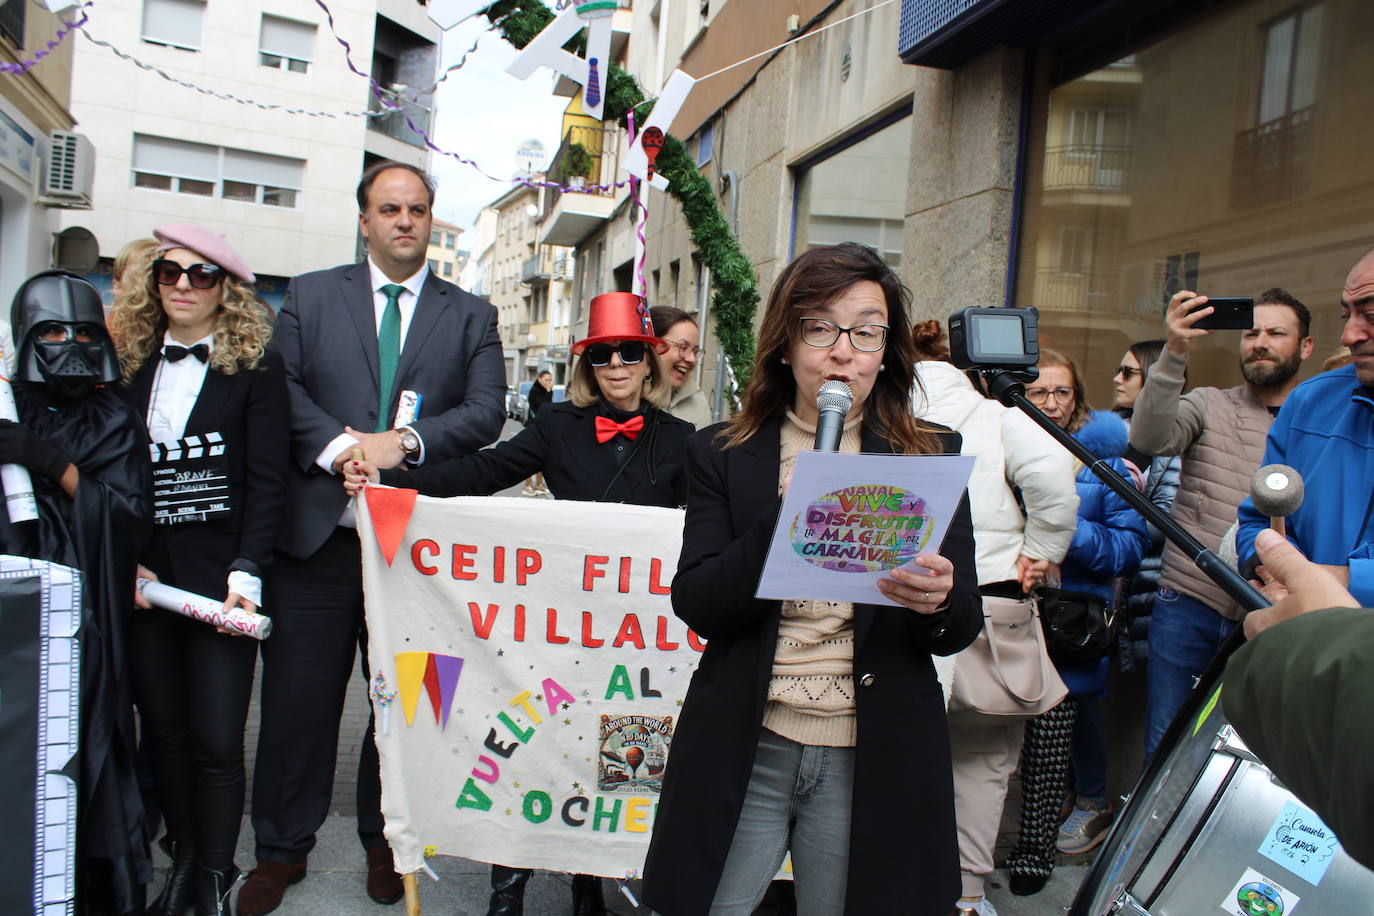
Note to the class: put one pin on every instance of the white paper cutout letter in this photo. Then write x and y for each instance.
(448, 13)
(546, 50)
(650, 137)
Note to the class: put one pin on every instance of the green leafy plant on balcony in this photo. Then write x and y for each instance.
(736, 295)
(577, 163)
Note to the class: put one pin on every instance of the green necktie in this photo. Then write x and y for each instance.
(388, 352)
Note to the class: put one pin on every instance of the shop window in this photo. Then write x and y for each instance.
(856, 191)
(1227, 158)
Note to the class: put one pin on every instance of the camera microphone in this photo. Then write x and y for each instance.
(833, 402)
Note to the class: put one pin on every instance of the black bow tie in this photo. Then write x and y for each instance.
(176, 354)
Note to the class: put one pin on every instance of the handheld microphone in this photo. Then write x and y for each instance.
(1277, 491)
(833, 402)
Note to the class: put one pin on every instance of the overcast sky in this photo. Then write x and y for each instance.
(483, 114)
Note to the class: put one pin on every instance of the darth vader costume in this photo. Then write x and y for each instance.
(71, 417)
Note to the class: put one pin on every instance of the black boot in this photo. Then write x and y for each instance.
(214, 890)
(587, 899)
(179, 891)
(508, 891)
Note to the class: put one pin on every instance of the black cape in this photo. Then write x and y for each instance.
(101, 532)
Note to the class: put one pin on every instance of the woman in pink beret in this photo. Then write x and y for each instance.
(192, 340)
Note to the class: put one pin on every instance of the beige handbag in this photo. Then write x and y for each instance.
(1006, 673)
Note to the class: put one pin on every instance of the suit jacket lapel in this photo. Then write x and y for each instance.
(433, 301)
(209, 403)
(356, 286)
(141, 385)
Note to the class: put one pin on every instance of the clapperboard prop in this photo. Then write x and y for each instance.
(40, 720)
(190, 480)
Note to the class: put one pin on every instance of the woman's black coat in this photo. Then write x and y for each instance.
(251, 410)
(561, 442)
(903, 854)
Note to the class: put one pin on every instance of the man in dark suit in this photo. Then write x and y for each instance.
(386, 357)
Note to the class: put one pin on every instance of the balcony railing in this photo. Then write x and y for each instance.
(1272, 161)
(602, 144)
(1086, 167)
(393, 123)
(1071, 290)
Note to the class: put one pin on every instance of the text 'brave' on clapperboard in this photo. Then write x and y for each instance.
(190, 480)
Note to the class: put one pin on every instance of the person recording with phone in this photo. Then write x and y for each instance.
(1221, 434)
(813, 726)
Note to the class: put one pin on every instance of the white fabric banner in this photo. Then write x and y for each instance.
(528, 674)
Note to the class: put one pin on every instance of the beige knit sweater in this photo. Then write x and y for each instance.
(811, 694)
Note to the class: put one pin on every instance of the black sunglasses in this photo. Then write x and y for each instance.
(631, 352)
(200, 276)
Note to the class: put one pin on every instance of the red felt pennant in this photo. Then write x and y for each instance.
(390, 510)
(432, 687)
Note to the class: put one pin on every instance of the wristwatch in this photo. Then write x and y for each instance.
(410, 442)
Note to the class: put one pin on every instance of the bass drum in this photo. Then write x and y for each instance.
(1210, 829)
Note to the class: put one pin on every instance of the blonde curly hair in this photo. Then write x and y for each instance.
(137, 323)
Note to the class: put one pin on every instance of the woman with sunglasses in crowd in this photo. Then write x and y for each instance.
(1108, 542)
(680, 330)
(192, 340)
(815, 727)
(610, 441)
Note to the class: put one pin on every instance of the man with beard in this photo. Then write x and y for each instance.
(88, 455)
(1220, 434)
(1327, 434)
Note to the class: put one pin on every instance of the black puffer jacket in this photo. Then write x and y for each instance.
(1133, 646)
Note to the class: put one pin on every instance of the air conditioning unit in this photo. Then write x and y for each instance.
(70, 176)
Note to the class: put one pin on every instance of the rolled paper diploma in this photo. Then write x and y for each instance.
(14, 478)
(206, 610)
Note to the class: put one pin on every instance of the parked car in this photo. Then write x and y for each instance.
(512, 397)
(522, 401)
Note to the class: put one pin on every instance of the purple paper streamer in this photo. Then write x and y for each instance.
(380, 93)
(24, 66)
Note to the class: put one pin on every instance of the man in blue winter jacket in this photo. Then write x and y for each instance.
(1326, 432)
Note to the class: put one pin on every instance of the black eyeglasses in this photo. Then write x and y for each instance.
(200, 276)
(819, 333)
(631, 352)
(1127, 372)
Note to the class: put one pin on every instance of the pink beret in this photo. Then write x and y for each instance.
(204, 242)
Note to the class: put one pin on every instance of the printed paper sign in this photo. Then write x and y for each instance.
(1257, 895)
(1301, 843)
(528, 676)
(849, 520)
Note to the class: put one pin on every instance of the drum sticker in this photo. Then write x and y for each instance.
(1256, 895)
(1301, 843)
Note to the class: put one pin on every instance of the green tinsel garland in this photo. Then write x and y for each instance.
(736, 288)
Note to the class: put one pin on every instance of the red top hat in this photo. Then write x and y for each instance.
(619, 316)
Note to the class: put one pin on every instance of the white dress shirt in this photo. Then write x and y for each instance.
(176, 386)
(407, 302)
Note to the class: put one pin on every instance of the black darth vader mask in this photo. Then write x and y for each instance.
(59, 326)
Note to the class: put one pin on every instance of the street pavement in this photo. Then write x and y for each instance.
(334, 885)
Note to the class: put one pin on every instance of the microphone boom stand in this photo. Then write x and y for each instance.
(1008, 386)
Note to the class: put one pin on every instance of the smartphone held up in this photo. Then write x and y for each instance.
(1229, 313)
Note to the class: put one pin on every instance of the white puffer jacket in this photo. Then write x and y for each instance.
(1010, 450)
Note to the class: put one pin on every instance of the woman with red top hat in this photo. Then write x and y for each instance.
(610, 441)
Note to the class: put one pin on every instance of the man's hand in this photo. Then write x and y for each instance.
(383, 450)
(1180, 319)
(1294, 583)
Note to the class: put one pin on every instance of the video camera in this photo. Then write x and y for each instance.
(995, 338)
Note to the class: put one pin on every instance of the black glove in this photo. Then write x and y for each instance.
(19, 446)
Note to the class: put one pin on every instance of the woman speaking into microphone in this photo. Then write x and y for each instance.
(815, 727)
(610, 441)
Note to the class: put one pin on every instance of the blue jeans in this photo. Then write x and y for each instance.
(798, 799)
(1089, 751)
(1184, 636)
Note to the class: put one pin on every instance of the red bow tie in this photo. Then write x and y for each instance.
(606, 428)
